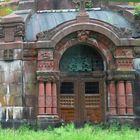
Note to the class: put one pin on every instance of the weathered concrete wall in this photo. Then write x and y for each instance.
(11, 90)
(18, 89)
(30, 89)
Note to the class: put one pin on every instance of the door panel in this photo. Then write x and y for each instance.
(81, 100)
(93, 101)
(67, 100)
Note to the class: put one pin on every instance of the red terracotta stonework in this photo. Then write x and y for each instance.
(54, 98)
(49, 98)
(45, 65)
(45, 55)
(121, 98)
(112, 98)
(118, 62)
(41, 98)
(129, 97)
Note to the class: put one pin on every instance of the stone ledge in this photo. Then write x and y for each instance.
(45, 121)
(122, 119)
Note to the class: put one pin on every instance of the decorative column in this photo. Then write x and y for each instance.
(121, 98)
(48, 98)
(112, 98)
(41, 98)
(54, 98)
(129, 98)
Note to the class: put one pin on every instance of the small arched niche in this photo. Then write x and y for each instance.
(81, 58)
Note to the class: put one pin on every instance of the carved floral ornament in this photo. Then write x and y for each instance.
(83, 35)
(48, 76)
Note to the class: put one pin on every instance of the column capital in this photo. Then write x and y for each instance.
(121, 75)
(48, 76)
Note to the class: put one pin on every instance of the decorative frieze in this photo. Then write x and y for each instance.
(121, 75)
(123, 53)
(45, 55)
(45, 65)
(47, 76)
(124, 64)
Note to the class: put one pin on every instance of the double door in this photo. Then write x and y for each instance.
(81, 99)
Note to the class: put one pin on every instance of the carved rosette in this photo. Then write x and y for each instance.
(19, 30)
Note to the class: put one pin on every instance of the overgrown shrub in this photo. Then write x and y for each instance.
(4, 10)
(137, 11)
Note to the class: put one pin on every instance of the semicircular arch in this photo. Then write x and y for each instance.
(99, 47)
(56, 38)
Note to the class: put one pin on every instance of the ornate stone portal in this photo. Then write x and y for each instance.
(74, 57)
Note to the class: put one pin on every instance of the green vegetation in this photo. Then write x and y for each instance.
(6, 7)
(4, 10)
(69, 132)
(137, 11)
(125, 0)
(89, 4)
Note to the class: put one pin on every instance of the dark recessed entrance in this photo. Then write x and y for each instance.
(81, 87)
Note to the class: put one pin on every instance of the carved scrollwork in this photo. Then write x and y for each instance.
(123, 32)
(19, 31)
(48, 76)
(40, 36)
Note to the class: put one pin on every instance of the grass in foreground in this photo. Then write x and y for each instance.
(69, 132)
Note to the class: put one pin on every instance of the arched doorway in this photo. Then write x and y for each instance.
(81, 88)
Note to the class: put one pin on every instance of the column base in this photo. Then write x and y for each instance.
(137, 121)
(122, 119)
(45, 121)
